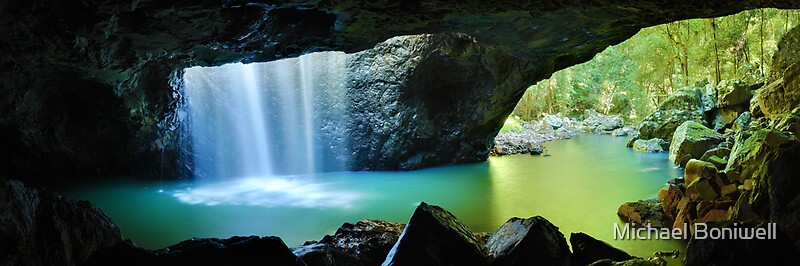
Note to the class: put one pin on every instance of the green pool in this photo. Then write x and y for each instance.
(578, 188)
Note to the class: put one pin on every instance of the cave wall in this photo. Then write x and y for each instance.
(89, 85)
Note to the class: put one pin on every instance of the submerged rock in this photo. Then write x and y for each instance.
(587, 249)
(690, 141)
(38, 227)
(651, 145)
(532, 241)
(434, 236)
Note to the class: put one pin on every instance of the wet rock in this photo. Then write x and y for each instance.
(38, 227)
(482, 237)
(687, 104)
(643, 212)
(651, 145)
(532, 241)
(369, 241)
(699, 169)
(586, 249)
(669, 198)
(434, 236)
(690, 141)
(238, 250)
(323, 255)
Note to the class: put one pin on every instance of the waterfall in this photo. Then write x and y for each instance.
(279, 118)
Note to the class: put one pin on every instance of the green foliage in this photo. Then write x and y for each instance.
(512, 124)
(633, 77)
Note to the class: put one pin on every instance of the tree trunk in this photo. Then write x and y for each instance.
(716, 51)
(761, 32)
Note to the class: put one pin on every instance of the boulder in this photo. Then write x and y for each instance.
(586, 249)
(669, 198)
(651, 145)
(532, 241)
(690, 141)
(433, 236)
(686, 104)
(699, 169)
(38, 227)
(552, 121)
(238, 250)
(643, 212)
(702, 189)
(720, 152)
(751, 152)
(368, 240)
(602, 123)
(733, 92)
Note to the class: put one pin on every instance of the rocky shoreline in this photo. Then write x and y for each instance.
(526, 137)
(738, 143)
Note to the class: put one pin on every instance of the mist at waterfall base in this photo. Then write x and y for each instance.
(267, 145)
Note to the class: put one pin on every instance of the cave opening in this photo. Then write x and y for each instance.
(293, 147)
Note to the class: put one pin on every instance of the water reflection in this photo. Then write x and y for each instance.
(294, 191)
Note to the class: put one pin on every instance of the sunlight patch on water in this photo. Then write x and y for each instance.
(270, 192)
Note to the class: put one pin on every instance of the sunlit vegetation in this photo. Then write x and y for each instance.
(633, 77)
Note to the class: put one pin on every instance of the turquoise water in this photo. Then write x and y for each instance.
(578, 188)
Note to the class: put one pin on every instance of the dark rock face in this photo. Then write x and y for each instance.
(687, 104)
(532, 241)
(78, 76)
(430, 100)
(369, 241)
(740, 251)
(237, 250)
(39, 227)
(434, 236)
(587, 249)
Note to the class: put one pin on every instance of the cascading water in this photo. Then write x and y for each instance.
(265, 119)
(264, 129)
